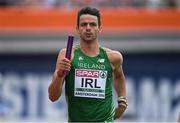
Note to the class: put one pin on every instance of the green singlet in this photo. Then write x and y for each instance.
(88, 88)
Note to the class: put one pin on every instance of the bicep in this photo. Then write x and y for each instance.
(118, 73)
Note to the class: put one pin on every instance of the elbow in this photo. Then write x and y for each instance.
(53, 98)
(53, 95)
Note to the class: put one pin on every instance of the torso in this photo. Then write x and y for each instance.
(89, 87)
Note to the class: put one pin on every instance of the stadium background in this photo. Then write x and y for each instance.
(147, 32)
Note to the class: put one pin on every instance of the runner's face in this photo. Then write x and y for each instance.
(88, 28)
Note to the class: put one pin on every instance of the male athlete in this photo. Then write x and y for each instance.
(91, 71)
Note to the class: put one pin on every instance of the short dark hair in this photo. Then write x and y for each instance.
(91, 11)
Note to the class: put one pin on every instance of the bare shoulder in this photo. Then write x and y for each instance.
(62, 51)
(114, 56)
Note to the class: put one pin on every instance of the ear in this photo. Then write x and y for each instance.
(100, 28)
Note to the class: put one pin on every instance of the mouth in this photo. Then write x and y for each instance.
(88, 34)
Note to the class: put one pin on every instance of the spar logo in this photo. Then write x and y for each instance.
(88, 73)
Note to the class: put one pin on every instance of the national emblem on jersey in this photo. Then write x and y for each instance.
(80, 58)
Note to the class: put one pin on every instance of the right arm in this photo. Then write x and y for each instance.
(55, 88)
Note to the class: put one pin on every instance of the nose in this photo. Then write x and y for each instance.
(88, 27)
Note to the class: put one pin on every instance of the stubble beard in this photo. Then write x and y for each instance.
(90, 39)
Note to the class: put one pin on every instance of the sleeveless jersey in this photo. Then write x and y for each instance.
(88, 88)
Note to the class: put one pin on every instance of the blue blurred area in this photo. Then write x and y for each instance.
(37, 63)
(139, 64)
(152, 64)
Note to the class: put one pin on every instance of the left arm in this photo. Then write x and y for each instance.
(118, 82)
(120, 88)
(119, 79)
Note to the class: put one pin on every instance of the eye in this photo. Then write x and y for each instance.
(83, 24)
(93, 24)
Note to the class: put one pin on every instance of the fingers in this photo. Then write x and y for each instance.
(64, 65)
(119, 111)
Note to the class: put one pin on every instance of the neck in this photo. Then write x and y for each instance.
(90, 49)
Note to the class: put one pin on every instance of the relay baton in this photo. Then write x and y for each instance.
(69, 48)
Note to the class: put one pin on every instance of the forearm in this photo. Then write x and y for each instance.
(119, 83)
(55, 87)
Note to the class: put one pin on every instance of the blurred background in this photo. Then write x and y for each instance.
(146, 32)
